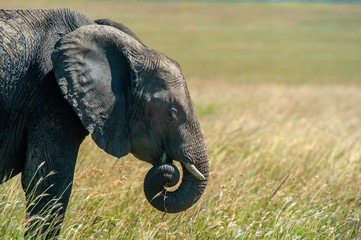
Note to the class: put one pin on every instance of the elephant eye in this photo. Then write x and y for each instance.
(171, 114)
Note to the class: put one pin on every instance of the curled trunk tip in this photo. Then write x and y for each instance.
(165, 175)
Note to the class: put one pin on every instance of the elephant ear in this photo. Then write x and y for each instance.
(96, 67)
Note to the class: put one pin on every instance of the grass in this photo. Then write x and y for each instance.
(277, 90)
(248, 42)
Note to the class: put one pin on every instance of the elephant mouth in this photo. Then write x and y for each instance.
(189, 166)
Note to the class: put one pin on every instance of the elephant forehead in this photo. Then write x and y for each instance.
(175, 94)
(170, 69)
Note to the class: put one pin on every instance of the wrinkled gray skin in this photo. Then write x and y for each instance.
(63, 76)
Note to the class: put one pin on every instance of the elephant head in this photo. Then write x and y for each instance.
(133, 99)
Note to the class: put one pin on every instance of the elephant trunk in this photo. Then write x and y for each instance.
(167, 175)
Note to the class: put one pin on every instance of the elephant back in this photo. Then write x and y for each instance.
(27, 39)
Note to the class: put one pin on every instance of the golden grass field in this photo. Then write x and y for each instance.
(277, 91)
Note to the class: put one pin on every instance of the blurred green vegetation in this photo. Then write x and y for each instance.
(247, 42)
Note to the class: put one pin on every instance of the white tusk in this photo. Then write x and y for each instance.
(192, 169)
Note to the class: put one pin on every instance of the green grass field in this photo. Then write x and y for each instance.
(277, 87)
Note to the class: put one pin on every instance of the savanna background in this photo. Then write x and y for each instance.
(277, 88)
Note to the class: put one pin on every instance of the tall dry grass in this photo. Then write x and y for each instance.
(285, 164)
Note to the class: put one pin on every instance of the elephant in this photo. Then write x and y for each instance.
(64, 76)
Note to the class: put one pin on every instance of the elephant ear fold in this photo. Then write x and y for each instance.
(95, 67)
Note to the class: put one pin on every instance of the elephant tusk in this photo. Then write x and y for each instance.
(195, 172)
